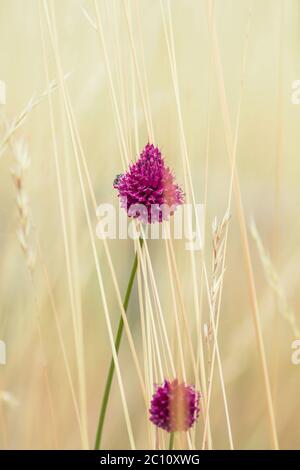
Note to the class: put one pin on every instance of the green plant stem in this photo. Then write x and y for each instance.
(118, 338)
(171, 441)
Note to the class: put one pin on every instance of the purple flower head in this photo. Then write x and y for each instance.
(174, 406)
(148, 191)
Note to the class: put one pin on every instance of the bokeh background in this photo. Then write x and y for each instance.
(259, 44)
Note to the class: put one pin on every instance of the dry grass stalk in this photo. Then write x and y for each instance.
(25, 236)
(243, 229)
(219, 238)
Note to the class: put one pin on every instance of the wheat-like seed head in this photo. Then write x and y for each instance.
(22, 163)
(274, 282)
(218, 243)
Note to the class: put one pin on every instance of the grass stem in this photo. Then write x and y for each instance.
(171, 441)
(118, 338)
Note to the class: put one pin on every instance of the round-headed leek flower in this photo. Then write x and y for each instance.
(148, 191)
(174, 406)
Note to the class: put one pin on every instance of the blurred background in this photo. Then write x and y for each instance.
(52, 317)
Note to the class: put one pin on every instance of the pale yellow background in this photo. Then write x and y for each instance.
(268, 169)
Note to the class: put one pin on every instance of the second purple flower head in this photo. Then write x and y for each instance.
(174, 406)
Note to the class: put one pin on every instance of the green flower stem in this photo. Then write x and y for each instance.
(171, 441)
(118, 338)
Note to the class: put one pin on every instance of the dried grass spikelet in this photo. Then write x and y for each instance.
(21, 165)
(274, 282)
(219, 244)
(13, 125)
